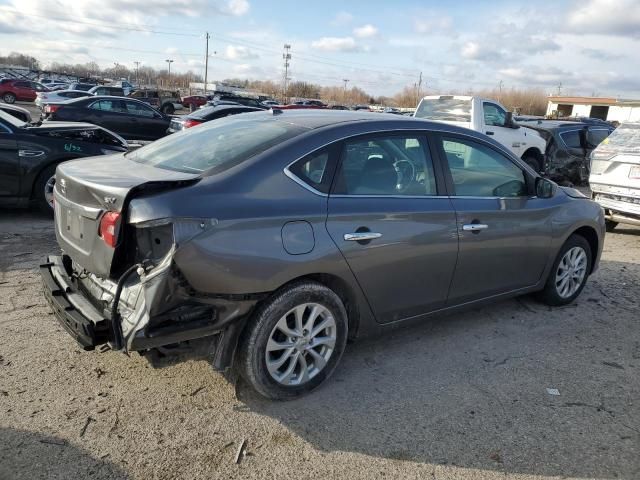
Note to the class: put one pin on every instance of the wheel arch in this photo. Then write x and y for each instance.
(591, 236)
(533, 152)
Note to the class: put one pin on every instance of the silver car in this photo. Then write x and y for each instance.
(264, 241)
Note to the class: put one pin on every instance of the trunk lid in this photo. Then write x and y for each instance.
(87, 188)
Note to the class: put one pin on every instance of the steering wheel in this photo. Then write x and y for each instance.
(406, 174)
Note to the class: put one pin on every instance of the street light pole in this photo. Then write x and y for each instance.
(137, 68)
(169, 61)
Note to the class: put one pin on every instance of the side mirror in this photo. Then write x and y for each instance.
(509, 121)
(545, 188)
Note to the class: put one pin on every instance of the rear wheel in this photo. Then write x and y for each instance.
(9, 97)
(43, 190)
(569, 274)
(294, 341)
(609, 225)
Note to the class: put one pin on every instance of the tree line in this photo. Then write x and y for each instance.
(530, 101)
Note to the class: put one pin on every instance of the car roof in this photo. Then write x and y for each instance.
(204, 112)
(557, 124)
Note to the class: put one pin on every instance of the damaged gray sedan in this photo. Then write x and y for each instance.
(265, 241)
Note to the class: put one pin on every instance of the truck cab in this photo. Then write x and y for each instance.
(486, 116)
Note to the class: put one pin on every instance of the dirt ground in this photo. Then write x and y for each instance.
(459, 397)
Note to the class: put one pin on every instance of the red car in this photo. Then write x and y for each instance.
(195, 100)
(12, 89)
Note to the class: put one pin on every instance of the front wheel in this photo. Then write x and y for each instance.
(168, 109)
(533, 162)
(294, 341)
(9, 98)
(569, 274)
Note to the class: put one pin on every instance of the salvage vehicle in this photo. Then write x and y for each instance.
(206, 115)
(265, 240)
(569, 145)
(242, 100)
(488, 117)
(129, 118)
(12, 89)
(615, 175)
(164, 100)
(58, 96)
(18, 112)
(29, 155)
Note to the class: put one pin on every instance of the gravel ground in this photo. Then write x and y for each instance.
(459, 397)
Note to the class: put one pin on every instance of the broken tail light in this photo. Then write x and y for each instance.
(188, 123)
(109, 224)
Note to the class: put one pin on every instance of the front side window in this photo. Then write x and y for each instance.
(480, 171)
(493, 115)
(386, 165)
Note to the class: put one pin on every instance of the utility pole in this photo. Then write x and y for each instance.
(420, 86)
(169, 61)
(115, 68)
(137, 68)
(206, 62)
(559, 88)
(344, 95)
(286, 56)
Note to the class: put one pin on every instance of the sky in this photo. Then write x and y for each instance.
(586, 47)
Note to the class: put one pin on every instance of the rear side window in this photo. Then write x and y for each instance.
(313, 170)
(571, 138)
(108, 106)
(215, 146)
(386, 165)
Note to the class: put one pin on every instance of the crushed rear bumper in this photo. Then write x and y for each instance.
(80, 319)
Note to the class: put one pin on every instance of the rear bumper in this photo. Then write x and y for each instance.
(89, 329)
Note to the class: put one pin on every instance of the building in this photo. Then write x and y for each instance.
(604, 108)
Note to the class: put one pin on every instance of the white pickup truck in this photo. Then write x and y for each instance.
(489, 117)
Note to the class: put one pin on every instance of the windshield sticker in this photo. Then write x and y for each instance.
(70, 147)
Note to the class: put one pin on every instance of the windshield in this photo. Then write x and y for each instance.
(624, 139)
(219, 144)
(10, 119)
(445, 109)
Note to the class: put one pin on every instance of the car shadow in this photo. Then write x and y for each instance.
(470, 390)
(28, 455)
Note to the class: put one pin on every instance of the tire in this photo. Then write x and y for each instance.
(44, 182)
(9, 98)
(553, 293)
(610, 225)
(308, 297)
(168, 109)
(533, 162)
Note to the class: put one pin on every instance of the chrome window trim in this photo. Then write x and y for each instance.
(407, 128)
(8, 130)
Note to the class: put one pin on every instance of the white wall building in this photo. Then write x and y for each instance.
(605, 108)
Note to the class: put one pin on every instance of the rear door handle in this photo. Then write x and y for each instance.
(361, 236)
(474, 227)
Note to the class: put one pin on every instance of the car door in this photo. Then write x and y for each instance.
(504, 232)
(495, 118)
(390, 218)
(9, 162)
(111, 114)
(147, 122)
(23, 91)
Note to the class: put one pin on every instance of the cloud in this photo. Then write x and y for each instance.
(431, 23)
(597, 54)
(233, 52)
(336, 44)
(475, 51)
(365, 31)
(537, 75)
(237, 7)
(341, 19)
(608, 17)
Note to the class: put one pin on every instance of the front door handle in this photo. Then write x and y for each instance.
(361, 236)
(474, 227)
(489, 133)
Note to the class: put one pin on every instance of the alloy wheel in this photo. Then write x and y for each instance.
(571, 272)
(300, 344)
(48, 190)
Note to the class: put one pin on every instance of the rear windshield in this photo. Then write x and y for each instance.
(624, 139)
(445, 109)
(216, 145)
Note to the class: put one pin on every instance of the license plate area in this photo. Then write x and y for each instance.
(634, 172)
(76, 226)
